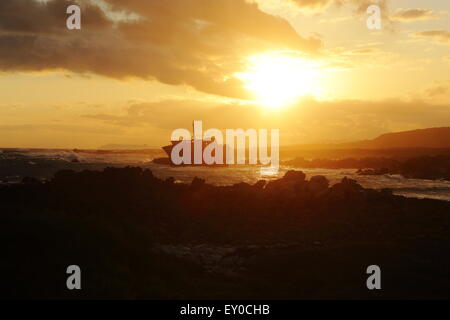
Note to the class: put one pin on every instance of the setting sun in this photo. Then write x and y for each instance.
(277, 79)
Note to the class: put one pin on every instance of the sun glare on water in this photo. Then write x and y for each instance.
(277, 79)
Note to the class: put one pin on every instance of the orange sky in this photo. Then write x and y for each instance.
(138, 70)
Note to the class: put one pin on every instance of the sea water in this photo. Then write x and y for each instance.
(14, 164)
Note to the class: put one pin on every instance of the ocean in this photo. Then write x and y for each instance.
(42, 164)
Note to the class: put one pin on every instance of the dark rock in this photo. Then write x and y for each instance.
(318, 184)
(293, 175)
(170, 180)
(260, 184)
(197, 183)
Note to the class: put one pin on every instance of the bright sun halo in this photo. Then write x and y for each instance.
(277, 79)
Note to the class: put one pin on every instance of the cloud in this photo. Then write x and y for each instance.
(438, 88)
(313, 3)
(409, 15)
(48, 127)
(363, 57)
(199, 43)
(361, 5)
(309, 121)
(365, 51)
(32, 17)
(440, 36)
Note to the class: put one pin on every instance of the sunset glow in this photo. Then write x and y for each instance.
(313, 69)
(277, 79)
(225, 155)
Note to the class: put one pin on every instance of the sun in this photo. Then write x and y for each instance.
(276, 79)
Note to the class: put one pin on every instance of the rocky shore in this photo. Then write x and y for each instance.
(424, 167)
(137, 236)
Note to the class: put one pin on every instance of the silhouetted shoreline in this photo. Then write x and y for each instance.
(137, 236)
(423, 167)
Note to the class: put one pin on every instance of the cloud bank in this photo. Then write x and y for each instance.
(309, 121)
(199, 43)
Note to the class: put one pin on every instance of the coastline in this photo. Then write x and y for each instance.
(286, 238)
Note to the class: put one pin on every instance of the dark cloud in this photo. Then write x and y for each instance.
(31, 17)
(194, 42)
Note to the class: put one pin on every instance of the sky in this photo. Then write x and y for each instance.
(137, 70)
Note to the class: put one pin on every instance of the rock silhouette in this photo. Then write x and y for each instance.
(137, 236)
(423, 167)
